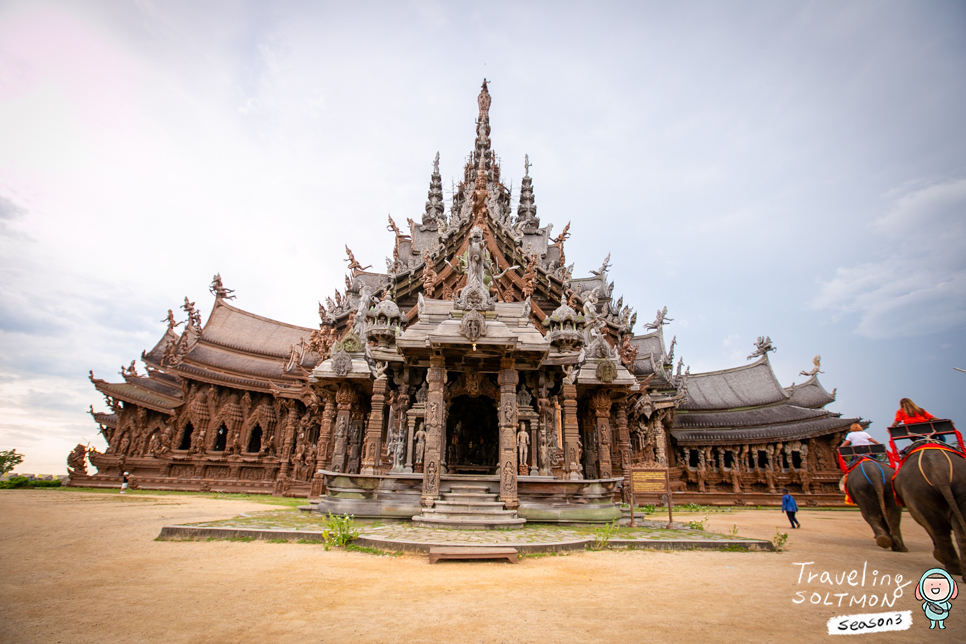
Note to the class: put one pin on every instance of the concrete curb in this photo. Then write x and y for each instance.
(195, 532)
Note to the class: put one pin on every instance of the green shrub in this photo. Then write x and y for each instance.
(22, 482)
(781, 538)
(339, 530)
(602, 535)
(696, 524)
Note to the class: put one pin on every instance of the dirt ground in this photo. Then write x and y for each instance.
(84, 567)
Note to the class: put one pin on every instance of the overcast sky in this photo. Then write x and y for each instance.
(791, 169)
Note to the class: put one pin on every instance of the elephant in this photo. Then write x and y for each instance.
(932, 483)
(869, 484)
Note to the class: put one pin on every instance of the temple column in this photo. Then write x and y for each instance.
(325, 428)
(601, 403)
(288, 438)
(571, 434)
(343, 399)
(402, 404)
(372, 447)
(508, 379)
(409, 446)
(436, 379)
(624, 448)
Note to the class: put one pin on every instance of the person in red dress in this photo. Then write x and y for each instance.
(910, 413)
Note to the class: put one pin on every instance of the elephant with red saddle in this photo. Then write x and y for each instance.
(931, 481)
(869, 485)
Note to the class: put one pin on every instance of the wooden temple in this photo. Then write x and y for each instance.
(475, 381)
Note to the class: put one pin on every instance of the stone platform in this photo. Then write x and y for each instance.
(415, 538)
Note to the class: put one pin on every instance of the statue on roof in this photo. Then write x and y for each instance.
(194, 316)
(170, 320)
(628, 352)
(218, 289)
(659, 321)
(477, 265)
(429, 275)
(602, 271)
(817, 361)
(353, 264)
(530, 276)
(484, 100)
(395, 229)
(131, 371)
(762, 346)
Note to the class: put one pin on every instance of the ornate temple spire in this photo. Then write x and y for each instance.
(527, 211)
(482, 150)
(434, 207)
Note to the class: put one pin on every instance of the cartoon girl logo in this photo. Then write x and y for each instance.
(936, 590)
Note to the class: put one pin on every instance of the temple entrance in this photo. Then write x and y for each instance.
(473, 436)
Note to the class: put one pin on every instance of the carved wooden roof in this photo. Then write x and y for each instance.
(748, 418)
(749, 385)
(810, 394)
(762, 434)
(139, 394)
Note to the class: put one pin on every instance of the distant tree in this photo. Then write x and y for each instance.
(9, 460)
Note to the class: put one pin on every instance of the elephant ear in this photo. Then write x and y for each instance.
(919, 593)
(955, 591)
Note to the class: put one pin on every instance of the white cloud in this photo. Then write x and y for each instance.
(919, 285)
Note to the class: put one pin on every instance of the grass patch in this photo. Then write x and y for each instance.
(278, 540)
(351, 547)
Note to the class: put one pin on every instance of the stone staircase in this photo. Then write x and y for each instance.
(469, 506)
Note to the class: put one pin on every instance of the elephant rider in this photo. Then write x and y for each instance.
(858, 436)
(910, 413)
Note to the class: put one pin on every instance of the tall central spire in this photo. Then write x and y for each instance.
(482, 151)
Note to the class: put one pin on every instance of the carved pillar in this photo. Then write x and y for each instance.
(325, 428)
(601, 403)
(571, 434)
(508, 379)
(402, 405)
(624, 448)
(436, 378)
(343, 399)
(288, 438)
(409, 446)
(372, 448)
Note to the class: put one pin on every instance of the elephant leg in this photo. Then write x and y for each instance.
(933, 516)
(893, 518)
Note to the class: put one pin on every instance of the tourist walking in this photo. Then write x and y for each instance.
(124, 482)
(789, 507)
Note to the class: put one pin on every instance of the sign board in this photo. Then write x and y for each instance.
(650, 480)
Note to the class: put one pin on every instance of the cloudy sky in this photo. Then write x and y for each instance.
(791, 169)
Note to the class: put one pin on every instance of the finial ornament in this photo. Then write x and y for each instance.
(484, 101)
(762, 346)
(218, 289)
(353, 264)
(526, 165)
(817, 361)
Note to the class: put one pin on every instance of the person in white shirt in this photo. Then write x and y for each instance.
(858, 436)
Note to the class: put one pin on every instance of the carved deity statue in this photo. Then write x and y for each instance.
(523, 444)
(420, 449)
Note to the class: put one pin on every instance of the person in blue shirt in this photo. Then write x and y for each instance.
(789, 507)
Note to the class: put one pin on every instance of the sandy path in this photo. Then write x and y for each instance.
(82, 567)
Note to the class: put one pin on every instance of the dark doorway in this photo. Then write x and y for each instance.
(473, 437)
(186, 437)
(255, 440)
(221, 439)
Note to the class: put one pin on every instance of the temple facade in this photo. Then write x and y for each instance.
(476, 377)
